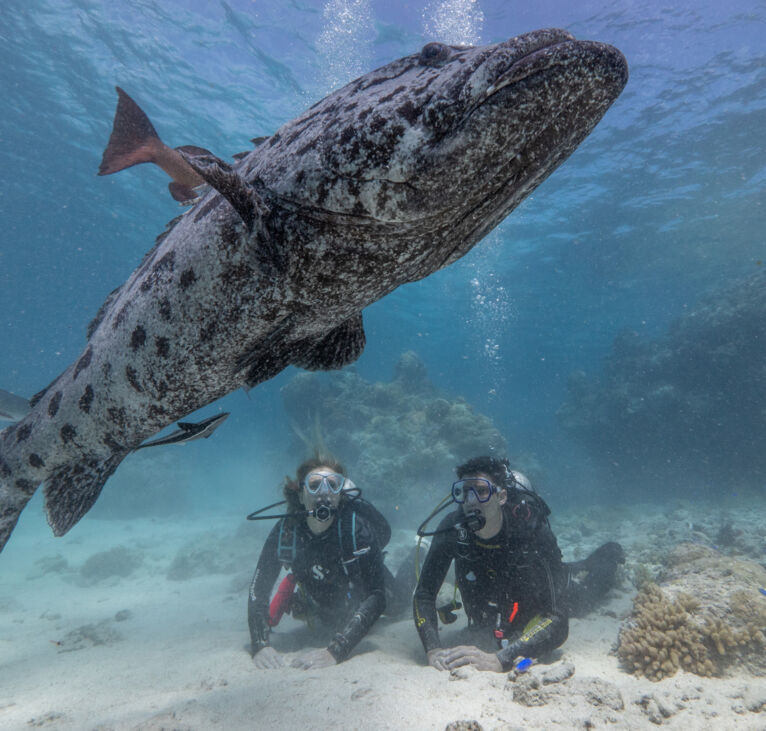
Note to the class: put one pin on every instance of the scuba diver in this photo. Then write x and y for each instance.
(330, 541)
(509, 571)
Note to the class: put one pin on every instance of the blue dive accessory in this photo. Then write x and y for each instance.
(481, 488)
(332, 481)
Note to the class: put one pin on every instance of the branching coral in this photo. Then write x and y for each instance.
(664, 635)
(660, 637)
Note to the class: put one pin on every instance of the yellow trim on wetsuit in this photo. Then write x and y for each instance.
(535, 625)
(419, 621)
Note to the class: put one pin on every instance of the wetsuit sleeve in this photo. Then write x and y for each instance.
(550, 627)
(373, 595)
(432, 575)
(265, 576)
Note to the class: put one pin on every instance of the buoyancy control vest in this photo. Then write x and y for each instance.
(346, 527)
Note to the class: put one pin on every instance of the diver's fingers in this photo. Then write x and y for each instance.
(438, 663)
(459, 662)
(436, 659)
(455, 652)
(268, 658)
(268, 662)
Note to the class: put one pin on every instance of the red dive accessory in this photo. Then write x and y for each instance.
(281, 601)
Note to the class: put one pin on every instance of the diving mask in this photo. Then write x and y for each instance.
(331, 481)
(482, 489)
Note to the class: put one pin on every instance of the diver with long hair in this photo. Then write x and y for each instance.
(330, 541)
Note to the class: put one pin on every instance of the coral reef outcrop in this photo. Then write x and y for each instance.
(709, 615)
(689, 406)
(395, 438)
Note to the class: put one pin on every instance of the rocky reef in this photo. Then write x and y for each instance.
(707, 615)
(397, 439)
(688, 407)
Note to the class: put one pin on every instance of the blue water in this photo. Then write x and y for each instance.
(662, 203)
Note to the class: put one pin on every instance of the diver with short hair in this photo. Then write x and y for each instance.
(508, 569)
(330, 541)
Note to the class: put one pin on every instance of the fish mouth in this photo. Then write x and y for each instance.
(580, 80)
(604, 62)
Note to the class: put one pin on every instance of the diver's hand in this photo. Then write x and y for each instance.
(436, 658)
(314, 659)
(267, 658)
(462, 655)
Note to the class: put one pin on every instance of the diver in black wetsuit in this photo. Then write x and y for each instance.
(334, 557)
(508, 569)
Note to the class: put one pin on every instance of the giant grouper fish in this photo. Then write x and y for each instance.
(394, 176)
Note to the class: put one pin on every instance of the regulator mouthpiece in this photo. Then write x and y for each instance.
(322, 513)
(474, 521)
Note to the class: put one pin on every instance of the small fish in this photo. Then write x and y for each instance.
(134, 141)
(12, 407)
(188, 431)
(524, 664)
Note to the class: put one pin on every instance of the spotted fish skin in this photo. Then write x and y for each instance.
(385, 181)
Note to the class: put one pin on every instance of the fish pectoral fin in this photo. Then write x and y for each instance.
(72, 488)
(341, 346)
(221, 176)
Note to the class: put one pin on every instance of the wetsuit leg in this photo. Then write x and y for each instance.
(591, 578)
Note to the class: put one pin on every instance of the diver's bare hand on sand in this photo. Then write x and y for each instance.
(313, 659)
(436, 658)
(267, 658)
(457, 657)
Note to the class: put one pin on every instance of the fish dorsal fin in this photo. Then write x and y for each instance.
(257, 142)
(96, 321)
(221, 176)
(341, 346)
(193, 150)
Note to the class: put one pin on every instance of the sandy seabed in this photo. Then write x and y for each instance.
(81, 649)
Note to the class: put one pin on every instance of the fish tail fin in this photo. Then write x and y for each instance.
(17, 485)
(72, 488)
(133, 139)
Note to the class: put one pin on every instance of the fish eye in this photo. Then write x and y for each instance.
(434, 54)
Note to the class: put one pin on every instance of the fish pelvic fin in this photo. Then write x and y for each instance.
(133, 140)
(338, 348)
(17, 484)
(72, 488)
(182, 193)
